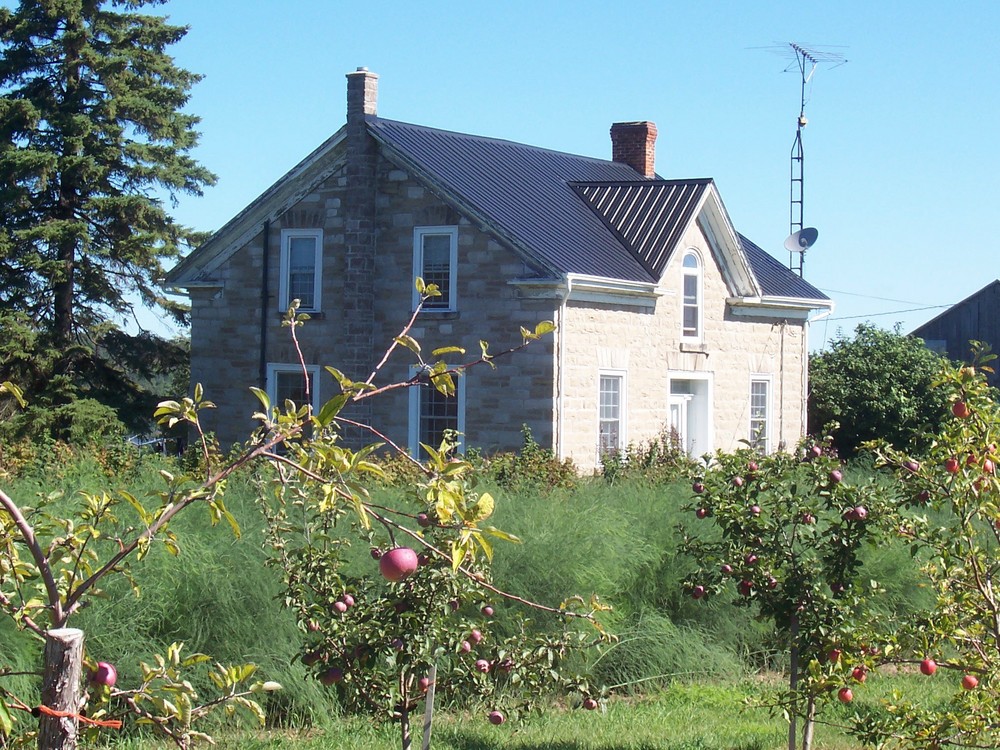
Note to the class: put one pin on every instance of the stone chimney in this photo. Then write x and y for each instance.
(634, 143)
(362, 93)
(356, 350)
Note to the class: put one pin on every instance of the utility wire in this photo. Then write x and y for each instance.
(893, 312)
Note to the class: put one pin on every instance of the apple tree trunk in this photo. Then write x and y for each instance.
(61, 689)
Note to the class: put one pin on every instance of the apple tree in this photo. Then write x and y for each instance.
(394, 597)
(955, 532)
(783, 534)
(55, 556)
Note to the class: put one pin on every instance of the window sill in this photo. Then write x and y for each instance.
(440, 314)
(313, 314)
(694, 348)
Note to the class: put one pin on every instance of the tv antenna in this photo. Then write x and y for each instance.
(801, 237)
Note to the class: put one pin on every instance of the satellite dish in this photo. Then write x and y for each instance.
(801, 240)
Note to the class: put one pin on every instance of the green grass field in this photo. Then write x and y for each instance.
(682, 671)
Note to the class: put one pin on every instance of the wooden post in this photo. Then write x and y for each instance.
(61, 688)
(429, 707)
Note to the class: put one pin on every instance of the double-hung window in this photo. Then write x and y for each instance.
(435, 260)
(301, 268)
(433, 412)
(287, 382)
(611, 413)
(691, 305)
(760, 413)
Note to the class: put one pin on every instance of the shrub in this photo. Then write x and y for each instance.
(534, 467)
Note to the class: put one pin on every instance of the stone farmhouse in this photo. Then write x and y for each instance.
(667, 319)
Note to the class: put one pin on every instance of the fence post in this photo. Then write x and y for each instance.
(61, 688)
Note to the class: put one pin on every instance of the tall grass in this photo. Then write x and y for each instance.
(616, 541)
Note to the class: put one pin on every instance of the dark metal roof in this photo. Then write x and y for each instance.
(649, 217)
(522, 193)
(776, 280)
(574, 214)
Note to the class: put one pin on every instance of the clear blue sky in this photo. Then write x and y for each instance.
(901, 167)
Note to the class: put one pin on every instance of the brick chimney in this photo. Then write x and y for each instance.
(362, 93)
(634, 143)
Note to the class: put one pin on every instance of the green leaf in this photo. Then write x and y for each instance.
(6, 720)
(484, 508)
(264, 399)
(447, 350)
(493, 531)
(331, 409)
(409, 342)
(544, 327)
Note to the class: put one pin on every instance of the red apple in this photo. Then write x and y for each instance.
(454, 604)
(808, 519)
(860, 674)
(928, 666)
(698, 591)
(988, 467)
(951, 465)
(697, 488)
(105, 674)
(961, 409)
(745, 587)
(751, 559)
(496, 718)
(969, 682)
(312, 657)
(755, 510)
(398, 563)
(727, 568)
(376, 553)
(844, 695)
(924, 496)
(330, 676)
(348, 600)
(837, 589)
(701, 512)
(487, 610)
(465, 647)
(860, 513)
(752, 467)
(772, 583)
(475, 636)
(423, 683)
(816, 451)
(482, 666)
(589, 704)
(737, 481)
(836, 476)
(424, 520)
(340, 606)
(398, 644)
(833, 655)
(971, 460)
(911, 466)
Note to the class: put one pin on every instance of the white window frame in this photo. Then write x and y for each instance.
(274, 369)
(287, 235)
(622, 376)
(764, 444)
(698, 274)
(413, 430)
(418, 267)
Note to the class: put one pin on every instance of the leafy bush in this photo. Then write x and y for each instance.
(876, 386)
(534, 467)
(659, 460)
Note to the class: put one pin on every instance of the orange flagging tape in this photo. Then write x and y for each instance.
(109, 723)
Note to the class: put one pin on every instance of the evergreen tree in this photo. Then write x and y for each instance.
(93, 142)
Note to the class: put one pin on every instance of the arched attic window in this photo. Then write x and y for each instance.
(691, 318)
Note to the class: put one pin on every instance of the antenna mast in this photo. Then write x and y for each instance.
(807, 59)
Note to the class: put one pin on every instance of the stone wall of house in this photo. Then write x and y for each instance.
(498, 401)
(226, 324)
(646, 345)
